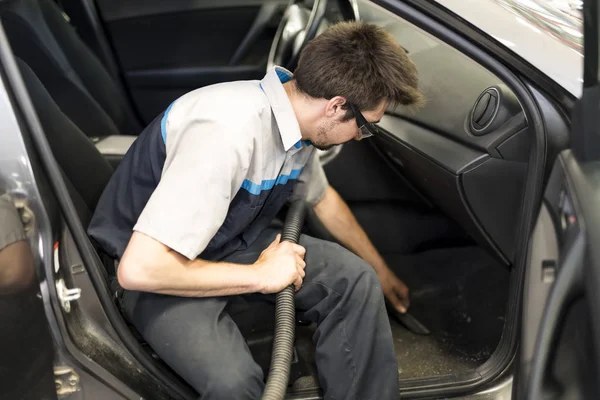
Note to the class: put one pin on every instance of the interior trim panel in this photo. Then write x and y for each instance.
(449, 154)
(480, 192)
(475, 174)
(439, 185)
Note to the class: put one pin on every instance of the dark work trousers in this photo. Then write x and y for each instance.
(354, 349)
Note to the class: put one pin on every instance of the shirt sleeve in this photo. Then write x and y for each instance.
(11, 228)
(312, 182)
(205, 166)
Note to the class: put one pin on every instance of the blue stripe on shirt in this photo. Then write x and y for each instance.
(283, 76)
(299, 143)
(163, 123)
(269, 184)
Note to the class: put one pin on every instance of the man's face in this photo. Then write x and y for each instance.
(333, 130)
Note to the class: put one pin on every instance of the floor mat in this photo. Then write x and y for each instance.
(459, 294)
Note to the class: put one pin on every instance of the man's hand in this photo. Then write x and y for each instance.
(395, 291)
(339, 220)
(280, 265)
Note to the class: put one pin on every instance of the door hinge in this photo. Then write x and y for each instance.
(66, 381)
(66, 295)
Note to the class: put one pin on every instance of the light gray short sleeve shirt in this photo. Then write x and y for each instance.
(234, 155)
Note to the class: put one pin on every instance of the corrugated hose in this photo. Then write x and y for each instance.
(285, 315)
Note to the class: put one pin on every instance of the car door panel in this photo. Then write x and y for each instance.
(443, 187)
(466, 176)
(477, 179)
(167, 48)
(558, 333)
(451, 83)
(493, 192)
(467, 150)
(539, 278)
(561, 353)
(449, 154)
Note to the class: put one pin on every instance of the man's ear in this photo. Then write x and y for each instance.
(334, 108)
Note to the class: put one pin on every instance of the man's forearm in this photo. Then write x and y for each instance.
(337, 217)
(160, 270)
(212, 279)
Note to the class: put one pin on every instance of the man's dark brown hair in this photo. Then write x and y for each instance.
(360, 62)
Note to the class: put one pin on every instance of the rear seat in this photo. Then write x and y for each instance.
(75, 78)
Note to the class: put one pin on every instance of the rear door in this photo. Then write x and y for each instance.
(167, 48)
(560, 346)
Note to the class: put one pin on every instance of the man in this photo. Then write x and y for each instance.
(199, 188)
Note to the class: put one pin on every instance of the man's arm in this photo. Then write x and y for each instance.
(148, 265)
(335, 214)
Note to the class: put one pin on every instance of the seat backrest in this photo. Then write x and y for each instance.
(83, 89)
(85, 170)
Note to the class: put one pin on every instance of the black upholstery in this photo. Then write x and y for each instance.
(84, 168)
(75, 78)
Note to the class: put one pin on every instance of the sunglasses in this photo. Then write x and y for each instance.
(365, 128)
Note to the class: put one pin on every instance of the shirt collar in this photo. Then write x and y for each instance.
(272, 85)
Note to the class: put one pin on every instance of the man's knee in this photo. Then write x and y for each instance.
(351, 272)
(238, 382)
(366, 283)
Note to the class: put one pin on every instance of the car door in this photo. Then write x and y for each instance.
(560, 346)
(167, 48)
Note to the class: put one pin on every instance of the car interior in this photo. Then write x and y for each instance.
(440, 190)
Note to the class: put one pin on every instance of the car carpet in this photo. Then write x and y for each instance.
(459, 294)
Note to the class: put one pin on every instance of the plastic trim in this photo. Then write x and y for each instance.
(497, 107)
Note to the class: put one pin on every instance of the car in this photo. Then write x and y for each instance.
(484, 201)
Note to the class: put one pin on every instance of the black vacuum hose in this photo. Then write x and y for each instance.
(285, 315)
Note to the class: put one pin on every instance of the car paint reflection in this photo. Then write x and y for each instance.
(26, 364)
